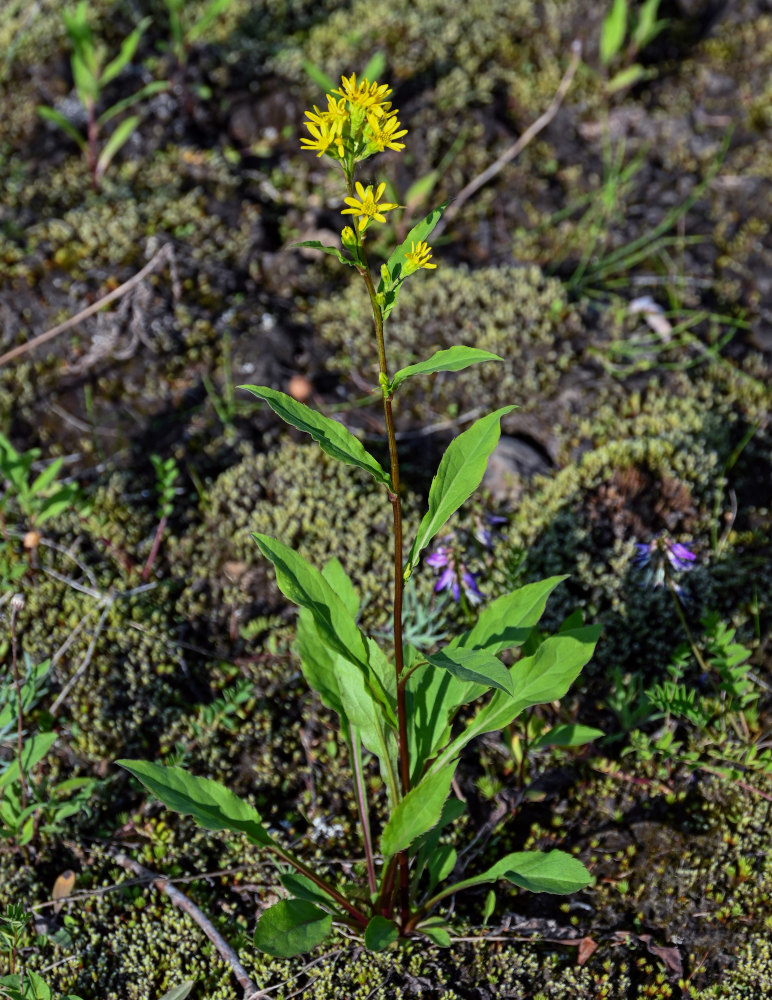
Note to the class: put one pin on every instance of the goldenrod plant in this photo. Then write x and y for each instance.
(396, 703)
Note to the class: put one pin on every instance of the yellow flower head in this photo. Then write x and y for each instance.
(368, 205)
(419, 256)
(364, 94)
(383, 134)
(358, 122)
(323, 136)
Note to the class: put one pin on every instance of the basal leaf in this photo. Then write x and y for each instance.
(302, 887)
(305, 586)
(331, 435)
(554, 871)
(453, 359)
(418, 812)
(340, 581)
(460, 473)
(537, 679)
(33, 751)
(507, 621)
(211, 804)
(291, 927)
(567, 736)
(476, 666)
(380, 933)
(537, 871)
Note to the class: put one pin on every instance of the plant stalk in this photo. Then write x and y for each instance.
(396, 505)
(364, 818)
(19, 707)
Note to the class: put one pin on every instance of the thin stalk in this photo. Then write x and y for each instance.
(357, 915)
(682, 618)
(15, 604)
(396, 505)
(364, 818)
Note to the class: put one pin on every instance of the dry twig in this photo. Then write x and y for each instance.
(162, 256)
(180, 900)
(517, 147)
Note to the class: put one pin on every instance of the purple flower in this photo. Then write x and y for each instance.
(455, 577)
(485, 531)
(662, 558)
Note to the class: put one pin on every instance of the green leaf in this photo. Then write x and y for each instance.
(126, 53)
(460, 473)
(543, 677)
(612, 33)
(395, 265)
(441, 864)
(148, 91)
(626, 77)
(380, 933)
(120, 136)
(46, 477)
(291, 927)
(211, 12)
(305, 586)
(33, 750)
(376, 64)
(436, 929)
(318, 76)
(86, 83)
(647, 27)
(211, 804)
(418, 812)
(179, 992)
(489, 906)
(476, 666)
(333, 251)
(331, 435)
(454, 359)
(508, 621)
(553, 871)
(567, 736)
(54, 116)
(303, 888)
(65, 497)
(340, 581)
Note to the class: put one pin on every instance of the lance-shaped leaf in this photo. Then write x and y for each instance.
(211, 804)
(333, 251)
(333, 437)
(570, 735)
(418, 812)
(394, 267)
(454, 359)
(476, 666)
(537, 871)
(291, 927)
(508, 621)
(537, 679)
(460, 473)
(305, 586)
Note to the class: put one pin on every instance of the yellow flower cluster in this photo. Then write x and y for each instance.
(358, 122)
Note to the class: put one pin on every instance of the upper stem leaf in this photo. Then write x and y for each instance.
(333, 437)
(460, 473)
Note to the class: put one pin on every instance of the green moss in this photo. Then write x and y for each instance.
(516, 313)
(299, 495)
